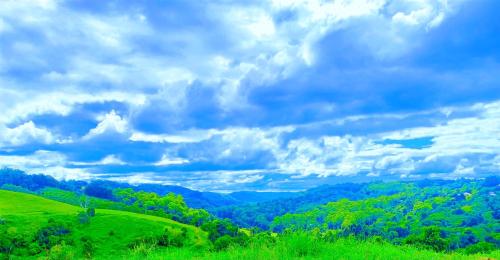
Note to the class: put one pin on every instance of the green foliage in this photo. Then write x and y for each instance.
(61, 252)
(12, 187)
(223, 242)
(54, 233)
(91, 212)
(83, 218)
(143, 247)
(218, 228)
(171, 206)
(302, 244)
(173, 237)
(88, 246)
(44, 228)
(481, 247)
(430, 239)
(465, 212)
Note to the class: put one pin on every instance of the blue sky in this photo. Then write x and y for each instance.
(252, 95)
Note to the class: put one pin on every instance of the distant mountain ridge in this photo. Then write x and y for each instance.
(193, 198)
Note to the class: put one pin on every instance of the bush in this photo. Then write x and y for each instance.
(52, 234)
(430, 239)
(481, 247)
(173, 237)
(83, 218)
(223, 242)
(302, 244)
(61, 252)
(143, 247)
(91, 212)
(10, 240)
(88, 247)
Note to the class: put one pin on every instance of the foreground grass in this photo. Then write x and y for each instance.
(302, 247)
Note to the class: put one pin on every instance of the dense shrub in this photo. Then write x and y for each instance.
(61, 252)
(223, 242)
(53, 234)
(95, 190)
(481, 247)
(88, 247)
(83, 218)
(430, 239)
(173, 237)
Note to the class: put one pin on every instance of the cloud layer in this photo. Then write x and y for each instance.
(267, 95)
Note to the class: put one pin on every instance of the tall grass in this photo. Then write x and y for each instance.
(303, 246)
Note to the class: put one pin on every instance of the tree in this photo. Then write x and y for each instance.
(95, 190)
(431, 238)
(84, 202)
(223, 242)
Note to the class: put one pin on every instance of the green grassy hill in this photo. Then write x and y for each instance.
(111, 232)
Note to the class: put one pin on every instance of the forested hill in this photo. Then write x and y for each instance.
(262, 214)
(442, 215)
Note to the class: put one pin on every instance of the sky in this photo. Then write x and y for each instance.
(277, 95)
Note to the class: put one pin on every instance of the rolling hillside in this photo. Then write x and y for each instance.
(110, 232)
(36, 227)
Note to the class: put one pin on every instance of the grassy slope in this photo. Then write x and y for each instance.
(345, 249)
(27, 213)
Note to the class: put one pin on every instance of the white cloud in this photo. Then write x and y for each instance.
(140, 178)
(107, 49)
(249, 179)
(24, 134)
(4, 26)
(45, 162)
(166, 160)
(325, 156)
(457, 139)
(111, 160)
(39, 159)
(190, 136)
(19, 105)
(109, 123)
(107, 160)
(452, 139)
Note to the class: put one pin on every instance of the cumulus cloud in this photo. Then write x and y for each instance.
(19, 105)
(269, 41)
(466, 142)
(25, 133)
(46, 162)
(110, 123)
(460, 147)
